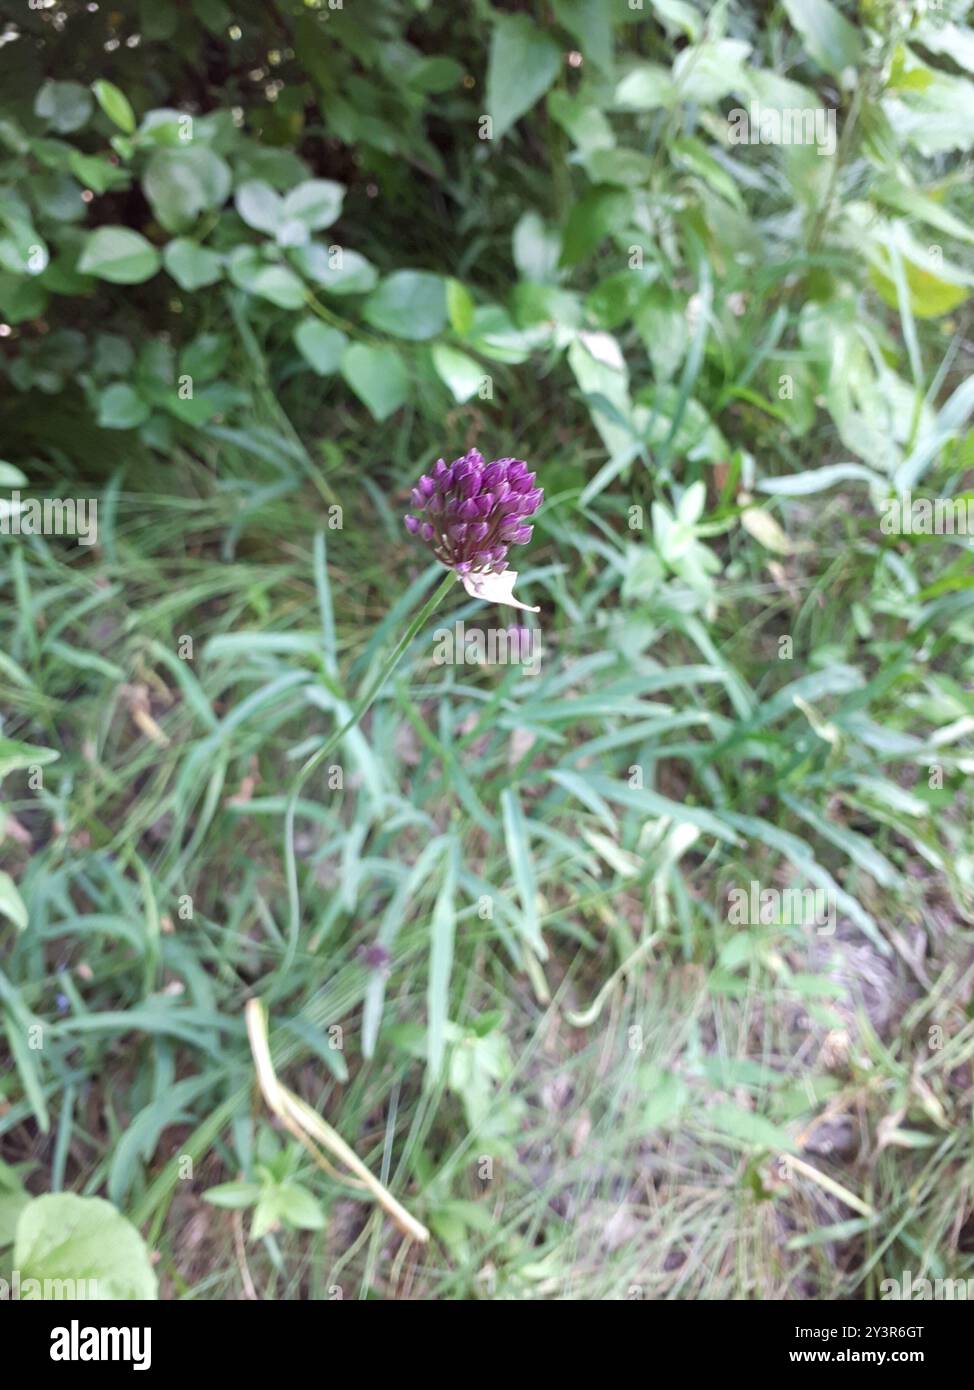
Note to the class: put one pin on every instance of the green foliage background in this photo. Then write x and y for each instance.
(259, 266)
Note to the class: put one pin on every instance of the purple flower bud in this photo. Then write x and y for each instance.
(375, 955)
(495, 473)
(510, 506)
(469, 485)
(463, 467)
(500, 490)
(476, 511)
(531, 501)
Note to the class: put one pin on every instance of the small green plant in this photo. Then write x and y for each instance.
(275, 1195)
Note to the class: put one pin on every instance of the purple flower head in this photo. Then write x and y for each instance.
(374, 956)
(470, 512)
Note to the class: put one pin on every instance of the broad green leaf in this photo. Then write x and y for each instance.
(120, 407)
(182, 183)
(408, 304)
(233, 1195)
(22, 250)
(192, 266)
(259, 206)
(707, 72)
(115, 105)
(248, 269)
(119, 255)
(165, 126)
(21, 300)
(97, 174)
(931, 293)
(336, 269)
(61, 1236)
(378, 377)
(593, 216)
(936, 116)
(299, 1208)
(64, 105)
(316, 203)
(832, 41)
(590, 21)
(457, 371)
(680, 16)
(628, 168)
(597, 378)
(585, 123)
(320, 345)
(459, 307)
(494, 334)
(205, 356)
(536, 248)
(645, 88)
(523, 63)
(547, 309)
(59, 196)
(205, 405)
(435, 74)
(661, 322)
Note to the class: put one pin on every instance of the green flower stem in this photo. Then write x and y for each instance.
(360, 709)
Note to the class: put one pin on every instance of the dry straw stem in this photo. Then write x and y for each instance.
(307, 1125)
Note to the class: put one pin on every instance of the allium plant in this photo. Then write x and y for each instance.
(470, 513)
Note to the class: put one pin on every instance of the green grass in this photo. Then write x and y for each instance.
(618, 1170)
(577, 1068)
